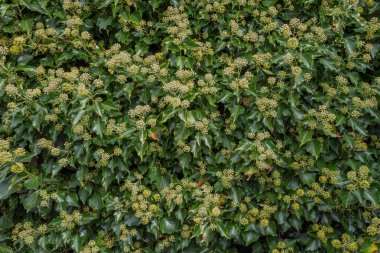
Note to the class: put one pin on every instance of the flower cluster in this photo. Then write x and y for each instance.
(70, 220)
(359, 179)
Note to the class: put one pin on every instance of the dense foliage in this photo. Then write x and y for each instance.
(189, 126)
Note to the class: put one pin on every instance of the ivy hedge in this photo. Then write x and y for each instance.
(189, 126)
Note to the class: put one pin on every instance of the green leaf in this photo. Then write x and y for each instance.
(372, 195)
(307, 59)
(122, 37)
(220, 46)
(107, 178)
(105, 4)
(349, 140)
(5, 248)
(296, 223)
(191, 44)
(103, 22)
(354, 77)
(168, 225)
(269, 3)
(135, 17)
(305, 136)
(233, 232)
(72, 199)
(271, 229)
(347, 198)
(328, 63)
(314, 147)
(312, 245)
(236, 110)
(142, 135)
(141, 149)
(98, 127)
(25, 58)
(87, 218)
(222, 230)
(308, 178)
(6, 190)
(359, 128)
(280, 217)
(33, 182)
(37, 6)
(78, 117)
(269, 123)
(185, 160)
(97, 108)
(350, 44)
(160, 181)
(294, 99)
(155, 3)
(95, 201)
(31, 201)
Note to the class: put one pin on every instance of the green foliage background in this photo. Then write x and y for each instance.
(189, 126)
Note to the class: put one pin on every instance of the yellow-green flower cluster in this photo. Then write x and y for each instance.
(374, 228)
(91, 247)
(178, 18)
(18, 44)
(227, 177)
(7, 155)
(329, 176)
(325, 119)
(346, 243)
(24, 232)
(359, 179)
(262, 214)
(316, 192)
(70, 220)
(295, 206)
(322, 231)
(302, 161)
(267, 106)
(139, 111)
(281, 247)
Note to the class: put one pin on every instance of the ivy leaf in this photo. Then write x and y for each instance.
(97, 108)
(72, 199)
(78, 117)
(308, 178)
(372, 195)
(33, 182)
(347, 198)
(236, 110)
(314, 147)
(307, 59)
(354, 77)
(98, 127)
(31, 201)
(305, 136)
(169, 225)
(296, 223)
(95, 201)
(349, 44)
(6, 190)
(312, 245)
(155, 3)
(329, 64)
(103, 22)
(294, 99)
(349, 140)
(269, 3)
